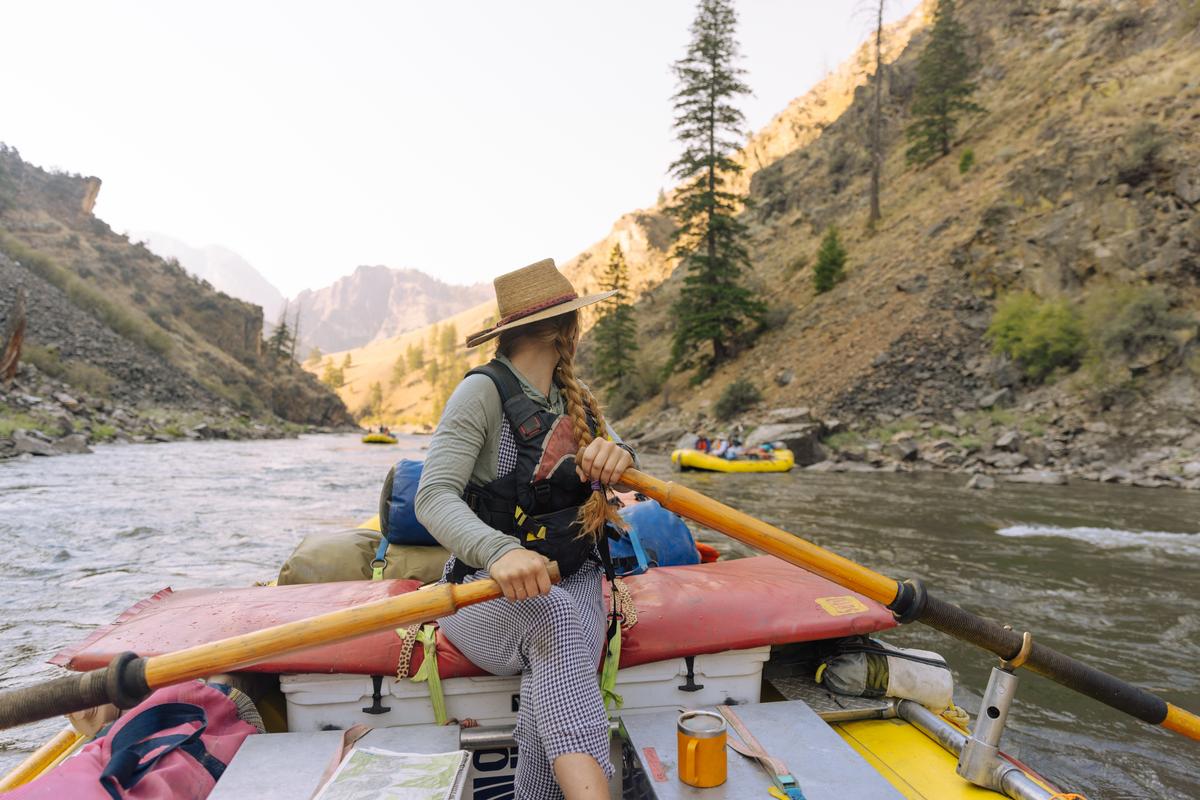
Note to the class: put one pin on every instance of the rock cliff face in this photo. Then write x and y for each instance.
(117, 320)
(376, 302)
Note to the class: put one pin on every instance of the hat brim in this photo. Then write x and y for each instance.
(547, 313)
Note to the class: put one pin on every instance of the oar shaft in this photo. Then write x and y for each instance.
(943, 616)
(765, 537)
(128, 679)
(236, 652)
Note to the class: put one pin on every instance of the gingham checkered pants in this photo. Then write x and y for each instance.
(554, 642)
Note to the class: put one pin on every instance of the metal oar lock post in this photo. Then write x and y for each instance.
(129, 679)
(910, 602)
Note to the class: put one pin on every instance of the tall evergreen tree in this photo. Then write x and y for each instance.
(713, 306)
(943, 91)
(281, 342)
(831, 262)
(615, 332)
(877, 120)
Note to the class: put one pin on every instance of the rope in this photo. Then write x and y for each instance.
(1066, 796)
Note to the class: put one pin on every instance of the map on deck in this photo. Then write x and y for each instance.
(370, 773)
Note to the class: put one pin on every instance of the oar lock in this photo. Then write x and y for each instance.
(1009, 664)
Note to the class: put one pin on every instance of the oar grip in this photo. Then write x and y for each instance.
(122, 683)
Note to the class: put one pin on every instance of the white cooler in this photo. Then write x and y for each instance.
(321, 702)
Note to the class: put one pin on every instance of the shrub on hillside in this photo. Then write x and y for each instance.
(1124, 325)
(738, 396)
(1040, 335)
(966, 161)
(831, 262)
(1139, 159)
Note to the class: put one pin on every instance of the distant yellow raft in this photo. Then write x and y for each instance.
(781, 461)
(379, 438)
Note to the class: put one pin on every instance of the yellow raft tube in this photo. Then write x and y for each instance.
(379, 438)
(781, 461)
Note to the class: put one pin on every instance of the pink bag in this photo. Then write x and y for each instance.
(172, 746)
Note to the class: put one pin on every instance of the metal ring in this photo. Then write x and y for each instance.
(1022, 655)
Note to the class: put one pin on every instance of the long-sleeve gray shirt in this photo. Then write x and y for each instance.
(465, 449)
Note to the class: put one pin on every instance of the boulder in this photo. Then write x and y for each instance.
(1035, 451)
(66, 401)
(1042, 476)
(981, 481)
(1009, 440)
(1116, 475)
(1006, 460)
(784, 377)
(662, 436)
(803, 440)
(902, 450)
(1191, 469)
(32, 442)
(1000, 398)
(1097, 427)
(797, 414)
(74, 444)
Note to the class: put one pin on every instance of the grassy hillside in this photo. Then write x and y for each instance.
(146, 331)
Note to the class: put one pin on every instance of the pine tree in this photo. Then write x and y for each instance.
(943, 90)
(831, 262)
(315, 355)
(333, 377)
(615, 333)
(416, 357)
(374, 404)
(399, 370)
(877, 121)
(448, 339)
(346, 362)
(280, 342)
(713, 306)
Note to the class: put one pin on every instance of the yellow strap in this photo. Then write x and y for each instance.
(608, 675)
(377, 570)
(428, 671)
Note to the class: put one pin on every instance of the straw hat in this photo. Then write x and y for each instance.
(532, 294)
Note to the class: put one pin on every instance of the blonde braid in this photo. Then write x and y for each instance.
(596, 511)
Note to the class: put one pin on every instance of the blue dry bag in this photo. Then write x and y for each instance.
(397, 516)
(656, 538)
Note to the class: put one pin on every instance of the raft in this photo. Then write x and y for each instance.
(745, 632)
(379, 438)
(781, 461)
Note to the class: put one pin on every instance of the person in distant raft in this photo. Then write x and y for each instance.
(515, 477)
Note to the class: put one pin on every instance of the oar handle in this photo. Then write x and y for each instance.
(909, 601)
(128, 679)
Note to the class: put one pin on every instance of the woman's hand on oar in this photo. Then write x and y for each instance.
(602, 461)
(910, 602)
(129, 679)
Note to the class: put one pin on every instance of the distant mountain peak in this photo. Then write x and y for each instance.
(378, 302)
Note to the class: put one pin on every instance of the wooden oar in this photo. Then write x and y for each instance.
(129, 679)
(909, 601)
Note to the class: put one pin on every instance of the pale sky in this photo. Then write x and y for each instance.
(461, 138)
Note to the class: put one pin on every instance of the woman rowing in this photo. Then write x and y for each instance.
(514, 478)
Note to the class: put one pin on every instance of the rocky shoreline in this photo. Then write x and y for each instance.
(1041, 443)
(40, 416)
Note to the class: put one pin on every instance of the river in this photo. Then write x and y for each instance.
(1106, 573)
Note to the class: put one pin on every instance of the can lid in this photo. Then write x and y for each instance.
(701, 724)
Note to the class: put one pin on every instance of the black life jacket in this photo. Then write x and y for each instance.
(538, 494)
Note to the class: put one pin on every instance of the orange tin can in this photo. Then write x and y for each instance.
(701, 737)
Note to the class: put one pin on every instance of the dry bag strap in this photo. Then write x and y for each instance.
(130, 745)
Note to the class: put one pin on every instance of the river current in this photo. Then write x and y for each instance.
(1106, 573)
